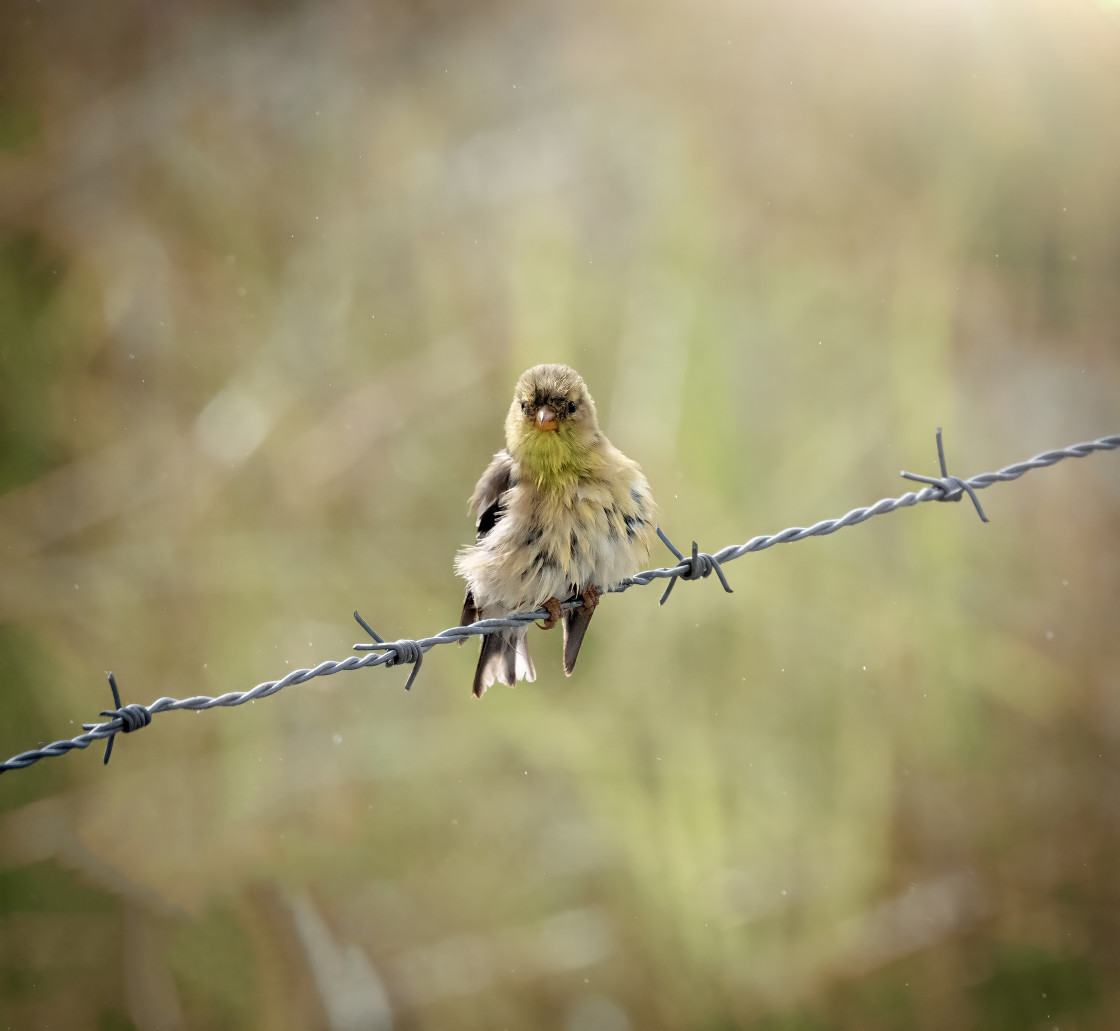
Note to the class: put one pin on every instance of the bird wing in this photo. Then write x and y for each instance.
(487, 502)
(493, 483)
(576, 622)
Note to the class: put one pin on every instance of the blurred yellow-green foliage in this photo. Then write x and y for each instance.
(267, 275)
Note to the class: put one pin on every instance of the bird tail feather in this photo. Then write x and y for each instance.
(504, 657)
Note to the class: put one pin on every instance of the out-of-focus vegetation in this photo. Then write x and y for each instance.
(267, 275)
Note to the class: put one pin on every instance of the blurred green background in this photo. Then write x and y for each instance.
(268, 273)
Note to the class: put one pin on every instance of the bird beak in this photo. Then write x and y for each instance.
(546, 418)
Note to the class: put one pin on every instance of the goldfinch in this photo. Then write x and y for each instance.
(561, 512)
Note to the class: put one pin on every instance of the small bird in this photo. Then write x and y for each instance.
(561, 512)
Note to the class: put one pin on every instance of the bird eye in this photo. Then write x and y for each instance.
(571, 407)
(524, 406)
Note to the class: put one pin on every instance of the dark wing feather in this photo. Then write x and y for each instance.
(487, 502)
(470, 613)
(487, 519)
(576, 622)
(486, 499)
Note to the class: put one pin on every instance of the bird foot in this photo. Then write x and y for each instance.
(553, 606)
(590, 600)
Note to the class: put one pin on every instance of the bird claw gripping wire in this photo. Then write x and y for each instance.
(701, 564)
(405, 651)
(952, 488)
(132, 717)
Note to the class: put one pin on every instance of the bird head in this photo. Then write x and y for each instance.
(552, 430)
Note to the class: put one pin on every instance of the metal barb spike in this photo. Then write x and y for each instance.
(369, 630)
(132, 717)
(952, 487)
(700, 565)
(402, 651)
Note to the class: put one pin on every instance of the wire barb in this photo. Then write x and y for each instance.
(404, 651)
(368, 629)
(132, 717)
(126, 718)
(700, 565)
(952, 488)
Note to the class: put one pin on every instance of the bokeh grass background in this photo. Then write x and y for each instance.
(267, 275)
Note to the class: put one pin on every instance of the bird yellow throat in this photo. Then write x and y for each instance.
(554, 459)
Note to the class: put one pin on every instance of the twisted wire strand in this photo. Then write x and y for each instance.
(125, 719)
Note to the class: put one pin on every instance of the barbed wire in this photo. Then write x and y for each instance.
(124, 719)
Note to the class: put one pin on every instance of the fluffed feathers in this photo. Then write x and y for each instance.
(560, 511)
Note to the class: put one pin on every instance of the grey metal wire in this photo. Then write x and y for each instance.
(127, 718)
